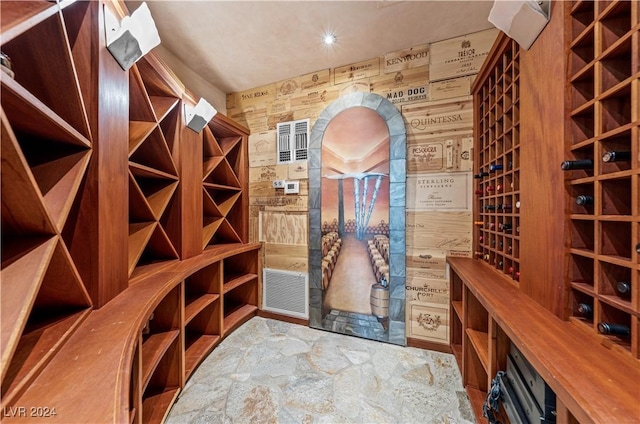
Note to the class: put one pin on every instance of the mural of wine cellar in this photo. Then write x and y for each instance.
(356, 182)
(428, 88)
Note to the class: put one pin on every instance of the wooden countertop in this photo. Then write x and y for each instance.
(594, 383)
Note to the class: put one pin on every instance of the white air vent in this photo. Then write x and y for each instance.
(285, 292)
(293, 140)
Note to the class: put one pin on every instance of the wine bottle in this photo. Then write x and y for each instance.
(638, 248)
(616, 156)
(481, 175)
(568, 165)
(500, 264)
(478, 191)
(495, 167)
(613, 329)
(489, 207)
(490, 189)
(584, 200)
(506, 227)
(505, 207)
(623, 288)
(584, 310)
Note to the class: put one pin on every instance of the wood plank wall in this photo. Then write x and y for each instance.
(402, 77)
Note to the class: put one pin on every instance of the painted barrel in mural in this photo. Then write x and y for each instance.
(379, 301)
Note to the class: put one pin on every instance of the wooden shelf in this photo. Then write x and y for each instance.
(236, 315)
(480, 342)
(476, 399)
(597, 367)
(196, 350)
(194, 306)
(152, 351)
(156, 407)
(239, 280)
(457, 308)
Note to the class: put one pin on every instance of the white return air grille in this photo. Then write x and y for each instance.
(293, 140)
(285, 292)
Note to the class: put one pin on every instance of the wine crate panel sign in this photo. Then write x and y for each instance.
(406, 58)
(258, 96)
(281, 203)
(427, 258)
(360, 86)
(450, 152)
(428, 321)
(430, 290)
(279, 106)
(311, 113)
(268, 173)
(447, 89)
(460, 56)
(439, 192)
(283, 228)
(315, 80)
(298, 170)
(288, 257)
(449, 231)
(319, 97)
(411, 85)
(356, 71)
(439, 116)
(288, 88)
(262, 149)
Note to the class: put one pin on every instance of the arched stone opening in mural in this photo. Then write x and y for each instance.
(357, 175)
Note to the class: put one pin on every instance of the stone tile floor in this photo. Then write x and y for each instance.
(270, 371)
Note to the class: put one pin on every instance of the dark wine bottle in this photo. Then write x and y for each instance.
(495, 167)
(613, 329)
(616, 156)
(506, 227)
(489, 207)
(568, 165)
(623, 288)
(505, 207)
(481, 175)
(584, 310)
(638, 248)
(584, 200)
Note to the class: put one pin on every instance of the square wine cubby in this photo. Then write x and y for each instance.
(582, 198)
(616, 195)
(581, 270)
(615, 283)
(615, 239)
(582, 306)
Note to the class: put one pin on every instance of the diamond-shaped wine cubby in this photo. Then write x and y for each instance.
(222, 189)
(153, 175)
(45, 152)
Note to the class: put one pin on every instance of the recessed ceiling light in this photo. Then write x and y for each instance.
(329, 39)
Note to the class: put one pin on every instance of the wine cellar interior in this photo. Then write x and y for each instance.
(128, 245)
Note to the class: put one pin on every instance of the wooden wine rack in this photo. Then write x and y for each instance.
(124, 233)
(497, 143)
(604, 99)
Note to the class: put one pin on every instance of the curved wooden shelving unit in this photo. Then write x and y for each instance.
(102, 348)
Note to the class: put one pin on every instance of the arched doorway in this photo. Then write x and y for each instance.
(357, 170)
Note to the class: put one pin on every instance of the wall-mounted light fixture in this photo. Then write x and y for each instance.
(131, 38)
(522, 20)
(200, 115)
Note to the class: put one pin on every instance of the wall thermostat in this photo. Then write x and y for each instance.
(291, 187)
